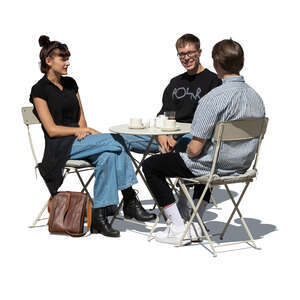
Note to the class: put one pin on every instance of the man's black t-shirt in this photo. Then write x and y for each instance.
(184, 91)
(64, 109)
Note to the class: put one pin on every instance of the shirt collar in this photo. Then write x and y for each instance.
(45, 80)
(234, 78)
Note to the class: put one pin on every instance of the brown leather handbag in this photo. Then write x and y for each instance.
(67, 210)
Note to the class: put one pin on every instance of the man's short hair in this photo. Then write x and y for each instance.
(188, 38)
(229, 55)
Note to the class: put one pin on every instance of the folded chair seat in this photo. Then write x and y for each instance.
(217, 180)
(78, 163)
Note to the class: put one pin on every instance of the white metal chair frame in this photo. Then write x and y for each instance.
(72, 166)
(225, 131)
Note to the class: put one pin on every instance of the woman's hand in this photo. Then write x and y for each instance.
(82, 132)
(94, 131)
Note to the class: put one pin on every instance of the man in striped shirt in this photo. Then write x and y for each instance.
(233, 100)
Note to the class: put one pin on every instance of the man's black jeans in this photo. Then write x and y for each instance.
(158, 167)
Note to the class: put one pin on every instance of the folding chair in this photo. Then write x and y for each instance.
(72, 166)
(238, 130)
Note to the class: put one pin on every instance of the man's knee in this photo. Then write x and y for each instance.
(148, 165)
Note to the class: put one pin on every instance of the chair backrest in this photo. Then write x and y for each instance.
(241, 129)
(28, 116)
(29, 119)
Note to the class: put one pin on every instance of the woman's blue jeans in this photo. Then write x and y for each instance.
(113, 166)
(139, 143)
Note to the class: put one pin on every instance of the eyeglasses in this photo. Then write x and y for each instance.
(57, 46)
(181, 55)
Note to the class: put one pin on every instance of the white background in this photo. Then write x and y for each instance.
(123, 56)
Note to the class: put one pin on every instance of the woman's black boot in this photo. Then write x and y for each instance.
(101, 225)
(133, 208)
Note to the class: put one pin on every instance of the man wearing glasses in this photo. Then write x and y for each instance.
(181, 95)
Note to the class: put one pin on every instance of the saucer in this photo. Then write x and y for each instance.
(170, 129)
(139, 127)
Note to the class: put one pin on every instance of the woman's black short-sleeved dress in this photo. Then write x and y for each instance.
(65, 110)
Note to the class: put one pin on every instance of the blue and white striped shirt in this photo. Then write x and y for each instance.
(233, 100)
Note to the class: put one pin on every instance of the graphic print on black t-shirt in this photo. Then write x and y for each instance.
(182, 92)
(185, 91)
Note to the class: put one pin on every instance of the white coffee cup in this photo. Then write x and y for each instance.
(135, 123)
(169, 124)
(146, 123)
(160, 121)
(152, 123)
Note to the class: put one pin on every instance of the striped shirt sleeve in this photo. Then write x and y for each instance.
(207, 115)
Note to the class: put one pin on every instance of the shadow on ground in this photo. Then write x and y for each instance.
(235, 231)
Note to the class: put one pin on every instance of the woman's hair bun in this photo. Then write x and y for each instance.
(44, 41)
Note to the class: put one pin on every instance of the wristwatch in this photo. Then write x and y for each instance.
(176, 137)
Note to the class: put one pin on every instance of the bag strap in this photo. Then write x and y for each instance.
(89, 220)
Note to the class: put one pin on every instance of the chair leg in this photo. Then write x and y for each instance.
(195, 213)
(138, 166)
(116, 212)
(154, 226)
(214, 200)
(39, 215)
(85, 185)
(144, 155)
(199, 238)
(67, 171)
(239, 213)
(173, 186)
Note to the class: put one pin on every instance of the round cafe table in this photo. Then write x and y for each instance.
(181, 129)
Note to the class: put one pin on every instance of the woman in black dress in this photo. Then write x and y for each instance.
(58, 106)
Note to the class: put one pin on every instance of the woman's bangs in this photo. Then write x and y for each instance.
(64, 53)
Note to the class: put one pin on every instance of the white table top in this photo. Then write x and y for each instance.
(124, 129)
